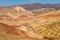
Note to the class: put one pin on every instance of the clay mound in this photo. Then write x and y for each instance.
(47, 24)
(14, 12)
(20, 22)
(12, 15)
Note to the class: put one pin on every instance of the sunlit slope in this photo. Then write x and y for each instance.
(13, 15)
(17, 21)
(48, 24)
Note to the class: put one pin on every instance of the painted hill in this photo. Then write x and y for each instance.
(42, 10)
(17, 23)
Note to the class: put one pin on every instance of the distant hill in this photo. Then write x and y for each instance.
(39, 5)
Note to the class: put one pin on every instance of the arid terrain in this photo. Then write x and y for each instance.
(19, 23)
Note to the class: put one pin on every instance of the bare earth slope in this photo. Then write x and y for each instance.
(16, 23)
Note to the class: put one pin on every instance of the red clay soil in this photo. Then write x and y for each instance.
(10, 29)
(47, 16)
